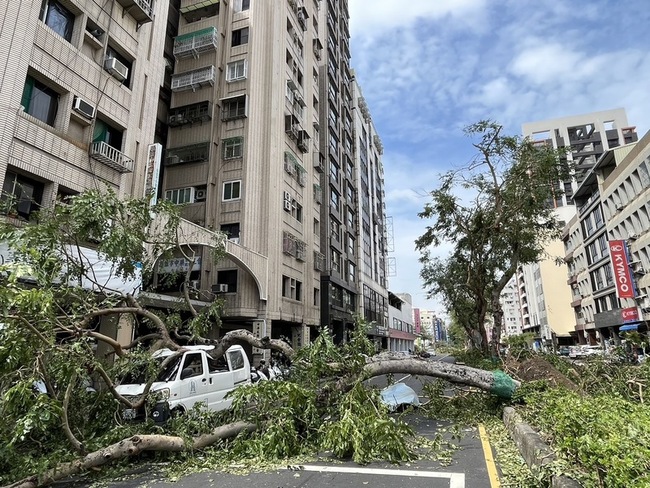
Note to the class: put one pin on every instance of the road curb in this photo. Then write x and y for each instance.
(533, 449)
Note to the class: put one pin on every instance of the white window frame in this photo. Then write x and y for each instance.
(180, 196)
(237, 70)
(232, 185)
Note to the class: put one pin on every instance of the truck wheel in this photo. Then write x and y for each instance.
(177, 412)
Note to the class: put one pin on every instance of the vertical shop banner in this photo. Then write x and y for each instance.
(622, 272)
(152, 171)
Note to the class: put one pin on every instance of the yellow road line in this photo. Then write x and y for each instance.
(489, 459)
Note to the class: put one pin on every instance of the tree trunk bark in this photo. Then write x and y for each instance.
(494, 382)
(131, 447)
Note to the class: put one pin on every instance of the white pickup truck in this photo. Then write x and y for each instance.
(191, 378)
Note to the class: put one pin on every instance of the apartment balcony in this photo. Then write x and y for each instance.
(189, 114)
(193, 80)
(195, 43)
(194, 153)
(573, 279)
(188, 6)
(140, 10)
(577, 301)
(108, 155)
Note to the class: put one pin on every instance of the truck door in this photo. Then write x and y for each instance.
(194, 380)
(238, 367)
(220, 383)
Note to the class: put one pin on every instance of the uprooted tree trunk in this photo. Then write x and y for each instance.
(130, 447)
(496, 382)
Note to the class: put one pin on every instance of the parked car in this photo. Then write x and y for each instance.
(193, 377)
(563, 350)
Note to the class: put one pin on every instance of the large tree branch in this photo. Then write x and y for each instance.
(132, 447)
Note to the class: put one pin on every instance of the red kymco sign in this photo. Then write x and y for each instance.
(630, 315)
(622, 274)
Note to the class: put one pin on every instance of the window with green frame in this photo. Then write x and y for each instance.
(40, 101)
(103, 132)
(233, 147)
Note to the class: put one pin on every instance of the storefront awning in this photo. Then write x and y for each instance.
(628, 327)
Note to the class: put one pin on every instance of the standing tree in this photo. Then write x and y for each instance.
(498, 214)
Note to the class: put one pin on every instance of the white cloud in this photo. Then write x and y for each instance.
(373, 20)
(431, 67)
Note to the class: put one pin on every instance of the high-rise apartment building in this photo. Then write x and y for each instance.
(245, 112)
(545, 296)
(608, 248)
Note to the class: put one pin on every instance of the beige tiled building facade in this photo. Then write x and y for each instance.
(244, 111)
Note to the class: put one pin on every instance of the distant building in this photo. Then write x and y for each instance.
(511, 309)
(545, 297)
(607, 246)
(400, 317)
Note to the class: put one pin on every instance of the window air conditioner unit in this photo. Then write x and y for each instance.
(620, 206)
(83, 107)
(639, 271)
(287, 205)
(220, 288)
(195, 284)
(633, 237)
(199, 195)
(171, 160)
(116, 68)
(645, 309)
(641, 297)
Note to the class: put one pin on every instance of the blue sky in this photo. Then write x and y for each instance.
(428, 68)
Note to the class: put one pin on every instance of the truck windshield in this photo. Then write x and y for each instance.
(169, 373)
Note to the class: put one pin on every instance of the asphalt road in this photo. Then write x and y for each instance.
(468, 468)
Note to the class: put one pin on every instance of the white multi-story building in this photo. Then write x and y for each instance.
(247, 113)
(545, 295)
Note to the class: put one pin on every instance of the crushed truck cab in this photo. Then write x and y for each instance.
(193, 377)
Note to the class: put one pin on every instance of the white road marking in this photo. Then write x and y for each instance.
(456, 480)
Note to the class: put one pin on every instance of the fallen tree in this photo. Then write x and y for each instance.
(59, 369)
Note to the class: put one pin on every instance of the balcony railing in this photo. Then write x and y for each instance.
(108, 155)
(140, 10)
(194, 153)
(191, 80)
(194, 43)
(188, 114)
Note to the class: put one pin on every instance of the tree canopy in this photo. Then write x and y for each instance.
(498, 213)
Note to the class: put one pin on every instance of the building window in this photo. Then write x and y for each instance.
(291, 288)
(233, 148)
(234, 108)
(58, 18)
(40, 101)
(20, 195)
(231, 230)
(336, 261)
(236, 70)
(179, 195)
(112, 53)
(240, 5)
(352, 272)
(228, 277)
(239, 37)
(231, 190)
(103, 132)
(334, 201)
